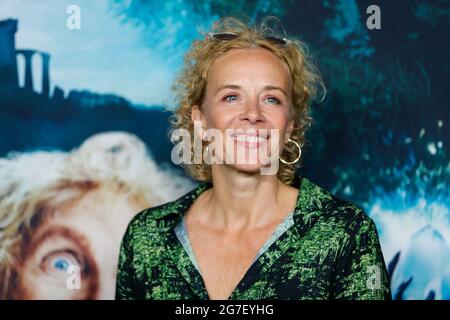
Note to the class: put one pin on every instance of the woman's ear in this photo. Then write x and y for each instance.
(197, 118)
(289, 130)
(195, 113)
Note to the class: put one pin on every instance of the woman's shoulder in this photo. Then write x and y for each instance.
(326, 208)
(165, 215)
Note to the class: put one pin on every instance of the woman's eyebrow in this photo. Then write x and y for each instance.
(234, 86)
(227, 86)
(270, 87)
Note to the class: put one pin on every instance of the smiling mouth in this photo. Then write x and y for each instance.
(250, 141)
(250, 138)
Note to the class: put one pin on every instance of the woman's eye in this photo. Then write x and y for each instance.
(273, 100)
(231, 98)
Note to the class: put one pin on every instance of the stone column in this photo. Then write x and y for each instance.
(28, 55)
(45, 74)
(8, 63)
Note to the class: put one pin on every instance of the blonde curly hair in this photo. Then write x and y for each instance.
(190, 84)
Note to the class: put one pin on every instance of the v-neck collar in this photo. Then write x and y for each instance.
(183, 237)
(307, 211)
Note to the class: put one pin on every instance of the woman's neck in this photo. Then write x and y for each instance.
(241, 201)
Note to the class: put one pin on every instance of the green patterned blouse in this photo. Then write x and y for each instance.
(331, 251)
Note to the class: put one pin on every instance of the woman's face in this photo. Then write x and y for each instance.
(74, 253)
(249, 92)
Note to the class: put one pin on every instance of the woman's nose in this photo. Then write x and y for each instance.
(252, 113)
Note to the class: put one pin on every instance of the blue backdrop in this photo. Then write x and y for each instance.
(379, 139)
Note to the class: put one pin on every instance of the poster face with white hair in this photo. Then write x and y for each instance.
(63, 214)
(85, 114)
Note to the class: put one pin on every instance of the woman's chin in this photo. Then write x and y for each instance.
(250, 168)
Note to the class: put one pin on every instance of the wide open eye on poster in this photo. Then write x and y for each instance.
(87, 103)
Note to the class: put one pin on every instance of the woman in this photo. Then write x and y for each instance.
(245, 234)
(62, 215)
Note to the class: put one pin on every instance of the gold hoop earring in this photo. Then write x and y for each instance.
(299, 153)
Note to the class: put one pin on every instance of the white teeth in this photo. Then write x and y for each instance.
(252, 139)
